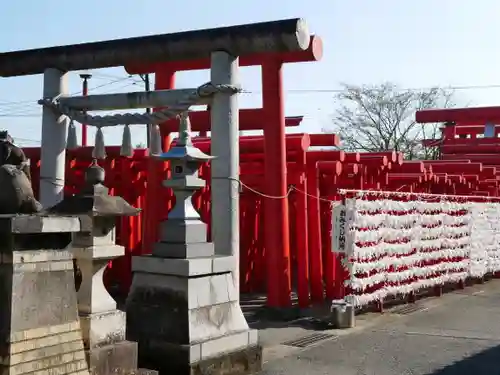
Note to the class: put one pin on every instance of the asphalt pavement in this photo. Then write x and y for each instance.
(456, 334)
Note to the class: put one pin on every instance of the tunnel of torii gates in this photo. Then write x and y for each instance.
(469, 147)
(287, 219)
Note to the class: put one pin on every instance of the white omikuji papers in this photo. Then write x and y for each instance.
(394, 247)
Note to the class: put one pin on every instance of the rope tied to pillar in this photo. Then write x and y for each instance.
(206, 90)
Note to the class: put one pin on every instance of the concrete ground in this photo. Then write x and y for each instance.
(456, 334)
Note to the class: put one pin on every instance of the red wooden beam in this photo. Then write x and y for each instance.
(470, 149)
(471, 168)
(373, 160)
(436, 162)
(409, 167)
(313, 53)
(326, 155)
(489, 171)
(352, 157)
(330, 166)
(325, 139)
(483, 158)
(250, 119)
(350, 169)
(255, 144)
(478, 115)
(471, 177)
(395, 176)
(392, 156)
(464, 128)
(471, 142)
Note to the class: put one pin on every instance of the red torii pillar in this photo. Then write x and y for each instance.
(276, 210)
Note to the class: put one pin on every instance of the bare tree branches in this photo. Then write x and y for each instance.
(379, 118)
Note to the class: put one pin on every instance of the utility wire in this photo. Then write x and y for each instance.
(22, 109)
(18, 108)
(303, 91)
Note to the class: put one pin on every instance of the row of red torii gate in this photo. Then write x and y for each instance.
(287, 189)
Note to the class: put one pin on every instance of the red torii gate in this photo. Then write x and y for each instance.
(464, 140)
(270, 118)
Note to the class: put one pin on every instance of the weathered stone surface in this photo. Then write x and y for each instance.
(170, 360)
(17, 193)
(183, 267)
(94, 199)
(183, 231)
(100, 329)
(183, 250)
(190, 324)
(39, 326)
(92, 261)
(120, 357)
(191, 310)
(11, 225)
(59, 348)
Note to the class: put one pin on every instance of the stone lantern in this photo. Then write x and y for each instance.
(102, 324)
(183, 306)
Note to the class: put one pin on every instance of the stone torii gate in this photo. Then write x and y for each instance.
(222, 45)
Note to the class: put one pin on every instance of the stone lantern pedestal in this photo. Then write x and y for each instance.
(102, 324)
(39, 326)
(183, 306)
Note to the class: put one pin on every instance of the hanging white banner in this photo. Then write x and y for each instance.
(339, 227)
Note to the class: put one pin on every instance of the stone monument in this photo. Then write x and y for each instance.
(183, 307)
(103, 326)
(39, 326)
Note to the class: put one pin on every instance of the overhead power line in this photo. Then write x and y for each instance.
(18, 108)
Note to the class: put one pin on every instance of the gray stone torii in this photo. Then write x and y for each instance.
(223, 45)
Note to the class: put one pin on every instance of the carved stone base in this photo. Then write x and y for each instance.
(39, 325)
(179, 360)
(181, 322)
(57, 349)
(101, 329)
(112, 359)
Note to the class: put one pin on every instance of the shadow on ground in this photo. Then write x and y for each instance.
(486, 362)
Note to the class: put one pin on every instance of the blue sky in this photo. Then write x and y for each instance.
(412, 43)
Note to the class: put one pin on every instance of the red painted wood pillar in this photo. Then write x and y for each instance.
(314, 233)
(157, 197)
(277, 240)
(302, 236)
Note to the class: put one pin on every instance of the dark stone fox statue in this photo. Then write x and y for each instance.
(16, 192)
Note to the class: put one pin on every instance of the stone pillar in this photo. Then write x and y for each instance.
(39, 326)
(102, 324)
(183, 307)
(225, 188)
(53, 147)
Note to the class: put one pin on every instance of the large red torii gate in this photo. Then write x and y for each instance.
(271, 119)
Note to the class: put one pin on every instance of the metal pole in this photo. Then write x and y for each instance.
(149, 128)
(225, 147)
(85, 92)
(53, 147)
